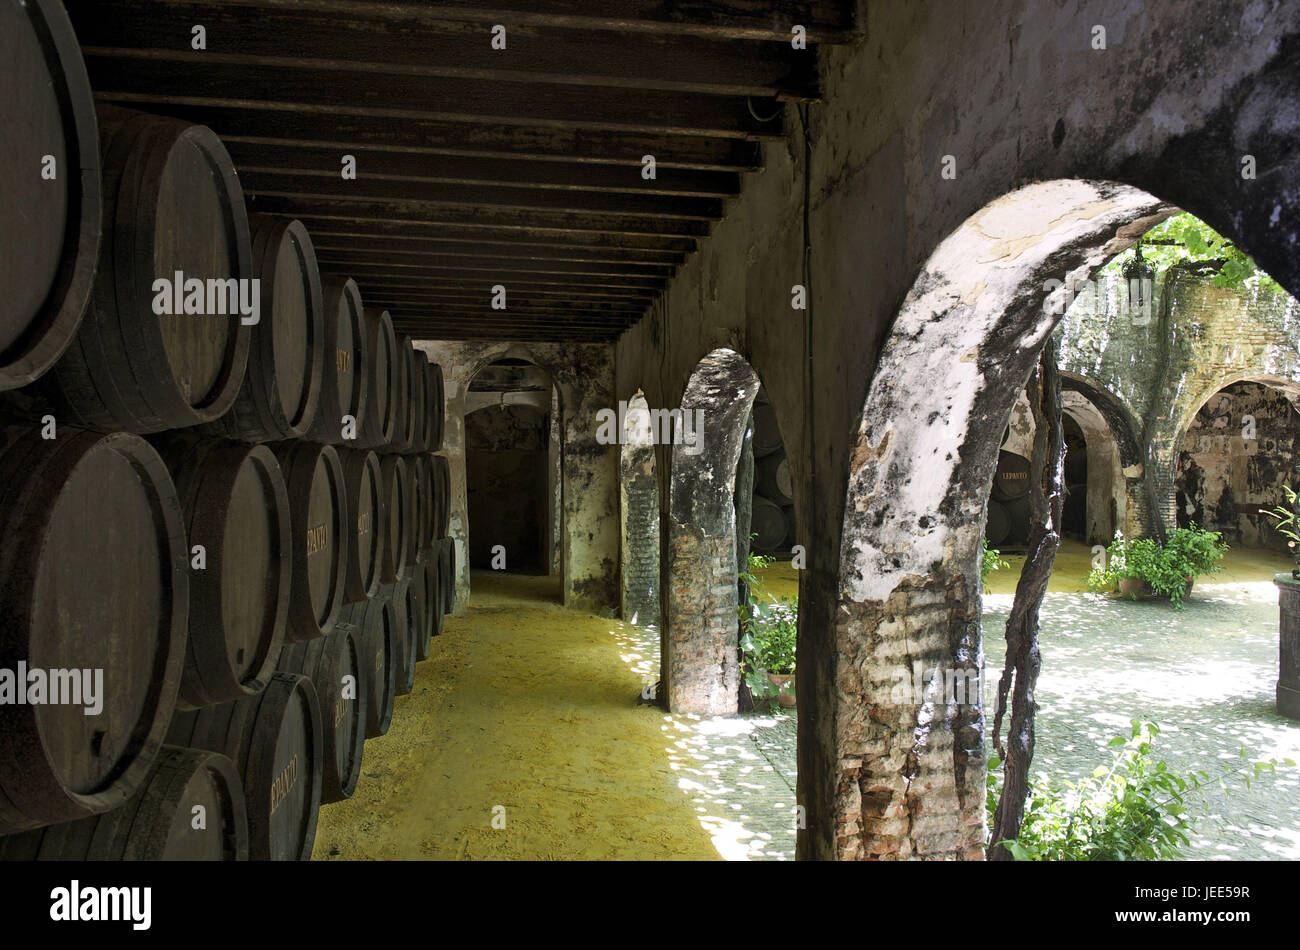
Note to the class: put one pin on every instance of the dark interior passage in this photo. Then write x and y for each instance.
(506, 483)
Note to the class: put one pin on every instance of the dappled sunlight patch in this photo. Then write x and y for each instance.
(1205, 674)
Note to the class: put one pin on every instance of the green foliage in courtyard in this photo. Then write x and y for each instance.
(990, 561)
(769, 630)
(1284, 518)
(1188, 553)
(1137, 809)
(1186, 239)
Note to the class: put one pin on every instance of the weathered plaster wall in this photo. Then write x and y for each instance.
(1236, 457)
(1198, 339)
(1014, 92)
(583, 375)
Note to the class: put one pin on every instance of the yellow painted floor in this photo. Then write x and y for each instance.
(1074, 560)
(530, 707)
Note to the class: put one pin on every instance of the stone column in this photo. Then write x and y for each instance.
(1288, 680)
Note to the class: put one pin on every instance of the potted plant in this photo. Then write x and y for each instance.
(1285, 525)
(768, 633)
(1141, 567)
(769, 647)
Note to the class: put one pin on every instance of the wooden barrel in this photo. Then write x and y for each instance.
(237, 509)
(318, 512)
(381, 380)
(402, 417)
(333, 664)
(367, 526)
(419, 470)
(189, 808)
(447, 569)
(407, 625)
(281, 388)
(772, 478)
(419, 382)
(441, 496)
(94, 578)
(1011, 480)
(996, 523)
(427, 583)
(175, 238)
(767, 521)
(275, 740)
(343, 396)
(51, 213)
(375, 620)
(397, 518)
(437, 408)
(767, 434)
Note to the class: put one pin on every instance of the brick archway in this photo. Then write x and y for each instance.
(699, 638)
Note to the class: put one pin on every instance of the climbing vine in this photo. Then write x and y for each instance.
(1186, 239)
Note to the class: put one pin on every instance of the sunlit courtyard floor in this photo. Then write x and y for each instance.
(1206, 675)
(527, 713)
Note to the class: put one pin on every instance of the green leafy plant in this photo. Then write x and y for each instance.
(1187, 553)
(769, 630)
(1135, 809)
(1187, 240)
(1285, 524)
(990, 561)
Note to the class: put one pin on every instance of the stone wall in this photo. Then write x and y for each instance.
(1013, 91)
(583, 375)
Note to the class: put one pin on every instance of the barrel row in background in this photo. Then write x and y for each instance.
(251, 579)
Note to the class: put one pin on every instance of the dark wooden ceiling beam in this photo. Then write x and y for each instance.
(547, 105)
(328, 184)
(326, 41)
(557, 222)
(324, 240)
(519, 298)
(490, 276)
(579, 290)
(518, 309)
(487, 265)
(421, 232)
(478, 170)
(268, 122)
(826, 21)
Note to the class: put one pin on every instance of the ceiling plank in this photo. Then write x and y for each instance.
(459, 49)
(274, 123)
(451, 100)
(367, 188)
(826, 21)
(466, 170)
(325, 240)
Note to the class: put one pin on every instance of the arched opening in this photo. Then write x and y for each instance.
(700, 642)
(1235, 457)
(964, 343)
(639, 508)
(959, 354)
(512, 469)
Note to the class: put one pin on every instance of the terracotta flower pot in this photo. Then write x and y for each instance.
(1136, 586)
(780, 681)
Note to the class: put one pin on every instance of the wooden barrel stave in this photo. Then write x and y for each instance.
(343, 391)
(367, 526)
(377, 624)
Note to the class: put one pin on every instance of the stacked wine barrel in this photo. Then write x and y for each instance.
(1007, 521)
(772, 510)
(222, 524)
